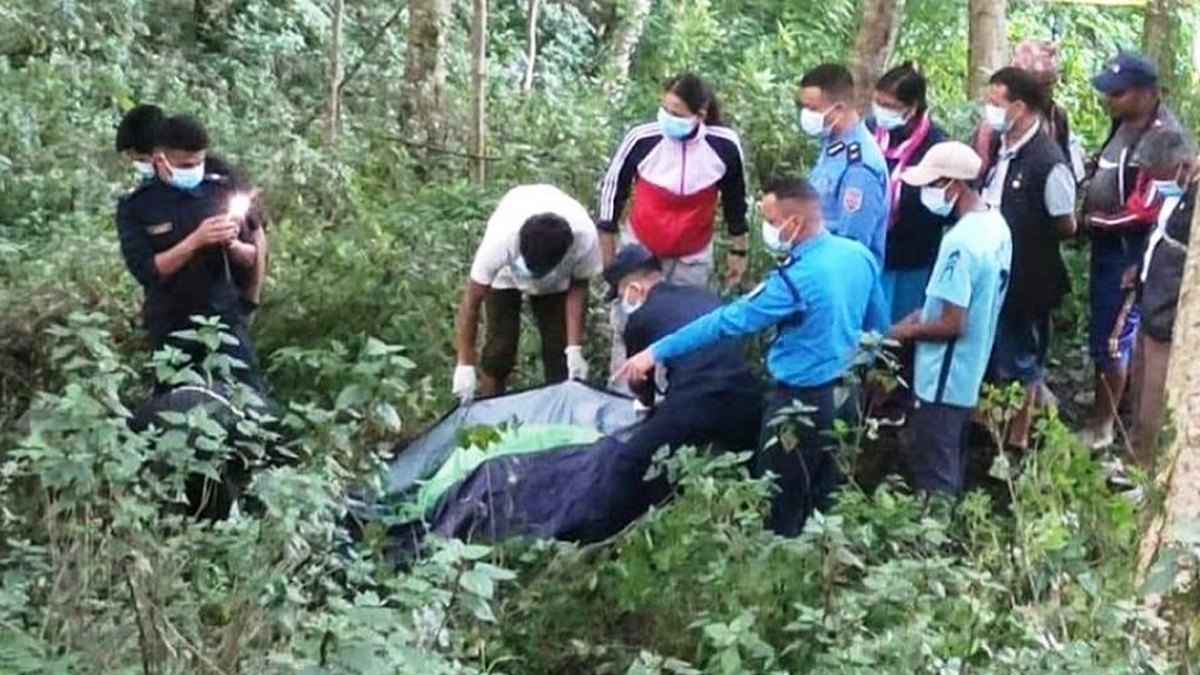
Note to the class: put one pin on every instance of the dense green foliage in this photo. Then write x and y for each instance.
(370, 244)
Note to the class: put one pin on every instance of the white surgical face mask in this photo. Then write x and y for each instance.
(997, 118)
(813, 122)
(628, 306)
(772, 239)
(934, 199)
(887, 118)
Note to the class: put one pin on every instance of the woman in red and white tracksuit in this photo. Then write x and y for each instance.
(676, 170)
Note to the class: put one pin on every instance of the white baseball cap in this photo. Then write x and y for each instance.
(944, 160)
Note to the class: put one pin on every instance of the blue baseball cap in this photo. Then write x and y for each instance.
(1128, 70)
(631, 258)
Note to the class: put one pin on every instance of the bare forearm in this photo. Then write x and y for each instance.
(243, 254)
(468, 324)
(608, 247)
(935, 331)
(577, 298)
(171, 260)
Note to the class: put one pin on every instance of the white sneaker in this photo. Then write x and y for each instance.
(1097, 439)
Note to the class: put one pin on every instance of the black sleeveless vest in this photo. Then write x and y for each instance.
(1039, 275)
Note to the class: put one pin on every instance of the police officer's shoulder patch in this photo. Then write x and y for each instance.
(852, 200)
(835, 148)
(854, 153)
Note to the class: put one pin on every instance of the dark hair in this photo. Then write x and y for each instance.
(544, 240)
(138, 128)
(831, 78)
(907, 84)
(696, 93)
(792, 188)
(181, 133)
(1022, 86)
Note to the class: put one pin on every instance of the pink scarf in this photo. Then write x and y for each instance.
(903, 154)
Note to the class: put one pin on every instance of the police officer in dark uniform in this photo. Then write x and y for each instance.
(136, 136)
(707, 397)
(182, 238)
(819, 301)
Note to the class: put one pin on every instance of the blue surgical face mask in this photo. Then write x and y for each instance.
(144, 170)
(187, 179)
(997, 118)
(520, 270)
(1169, 189)
(934, 199)
(675, 127)
(887, 118)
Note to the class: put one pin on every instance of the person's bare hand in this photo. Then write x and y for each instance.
(636, 368)
(219, 229)
(903, 330)
(735, 270)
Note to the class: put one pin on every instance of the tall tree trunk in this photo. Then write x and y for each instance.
(423, 106)
(533, 7)
(877, 31)
(631, 21)
(479, 32)
(1182, 466)
(988, 42)
(333, 104)
(1160, 35)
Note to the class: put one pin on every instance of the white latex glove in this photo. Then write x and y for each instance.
(577, 366)
(464, 383)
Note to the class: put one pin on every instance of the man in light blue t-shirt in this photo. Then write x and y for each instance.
(955, 329)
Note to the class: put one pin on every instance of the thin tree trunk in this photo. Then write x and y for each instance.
(423, 106)
(1181, 473)
(877, 32)
(479, 31)
(1160, 35)
(333, 105)
(988, 30)
(631, 21)
(534, 6)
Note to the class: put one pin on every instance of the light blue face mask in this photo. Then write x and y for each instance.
(187, 179)
(1168, 189)
(520, 270)
(934, 199)
(144, 170)
(675, 127)
(628, 308)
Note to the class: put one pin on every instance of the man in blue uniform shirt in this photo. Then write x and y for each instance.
(181, 242)
(956, 328)
(819, 301)
(851, 173)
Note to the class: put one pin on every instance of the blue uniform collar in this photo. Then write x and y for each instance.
(805, 246)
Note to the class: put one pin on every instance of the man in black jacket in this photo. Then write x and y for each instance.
(709, 397)
(1168, 158)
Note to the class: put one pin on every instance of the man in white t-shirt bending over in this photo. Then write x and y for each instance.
(539, 243)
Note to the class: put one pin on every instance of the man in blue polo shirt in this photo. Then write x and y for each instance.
(955, 329)
(818, 300)
(851, 173)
